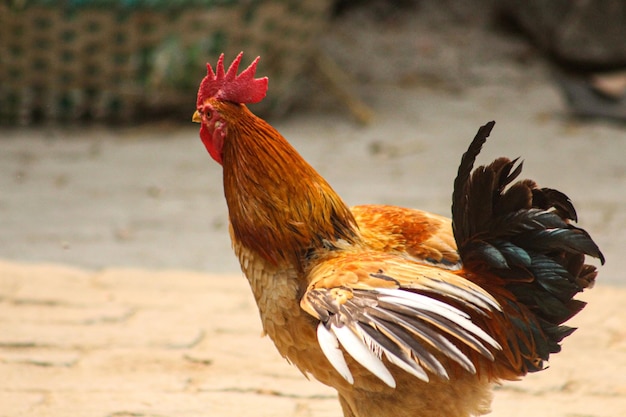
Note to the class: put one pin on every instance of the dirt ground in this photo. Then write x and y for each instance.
(119, 295)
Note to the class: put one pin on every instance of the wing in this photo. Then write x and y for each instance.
(381, 306)
(418, 235)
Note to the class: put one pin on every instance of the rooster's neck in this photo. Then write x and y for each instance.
(279, 206)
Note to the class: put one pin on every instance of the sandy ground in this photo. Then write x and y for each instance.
(145, 343)
(119, 295)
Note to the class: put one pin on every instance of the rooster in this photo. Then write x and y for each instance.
(403, 312)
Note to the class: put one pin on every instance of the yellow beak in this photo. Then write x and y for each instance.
(196, 117)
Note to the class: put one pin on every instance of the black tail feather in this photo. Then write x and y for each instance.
(523, 234)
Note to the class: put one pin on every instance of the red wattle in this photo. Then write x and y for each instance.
(214, 149)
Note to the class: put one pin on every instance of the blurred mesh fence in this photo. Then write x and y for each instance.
(117, 61)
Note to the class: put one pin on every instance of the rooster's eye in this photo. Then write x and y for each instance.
(207, 114)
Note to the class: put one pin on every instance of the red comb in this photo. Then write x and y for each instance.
(229, 86)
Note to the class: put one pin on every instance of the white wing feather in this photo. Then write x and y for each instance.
(330, 347)
(411, 366)
(367, 351)
(424, 303)
(355, 346)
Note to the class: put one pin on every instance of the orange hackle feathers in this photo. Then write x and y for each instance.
(278, 204)
(422, 236)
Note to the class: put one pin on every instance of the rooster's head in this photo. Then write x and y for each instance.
(219, 91)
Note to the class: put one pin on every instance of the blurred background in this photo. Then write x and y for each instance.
(100, 164)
